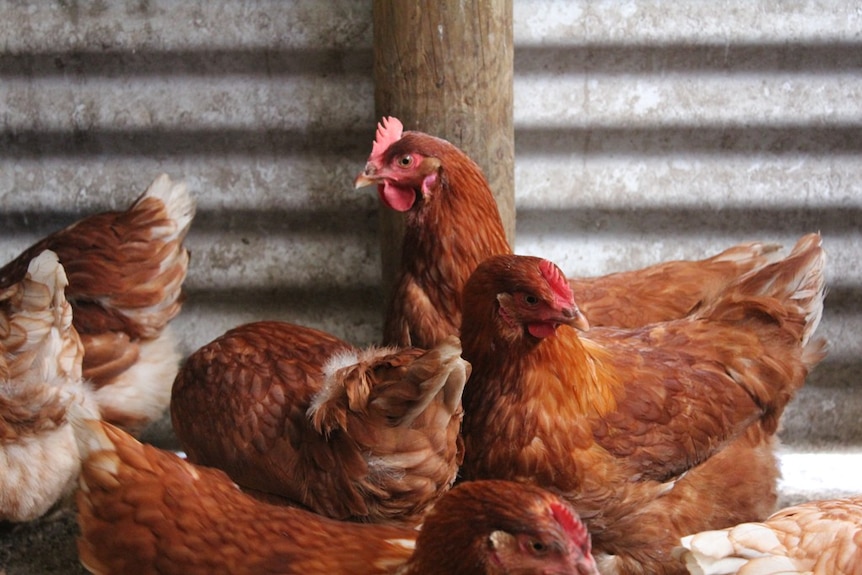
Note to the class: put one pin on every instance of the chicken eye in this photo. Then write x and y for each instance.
(538, 547)
(405, 161)
(530, 299)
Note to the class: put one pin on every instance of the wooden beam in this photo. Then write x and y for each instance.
(445, 68)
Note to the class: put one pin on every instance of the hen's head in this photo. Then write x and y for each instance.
(496, 527)
(410, 167)
(524, 295)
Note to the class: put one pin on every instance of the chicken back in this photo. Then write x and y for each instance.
(125, 270)
(816, 538)
(369, 435)
(143, 511)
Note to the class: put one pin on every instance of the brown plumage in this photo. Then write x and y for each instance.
(40, 379)
(144, 511)
(453, 224)
(125, 271)
(369, 435)
(502, 528)
(444, 193)
(611, 417)
(812, 538)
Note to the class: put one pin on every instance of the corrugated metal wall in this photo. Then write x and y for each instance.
(266, 108)
(645, 130)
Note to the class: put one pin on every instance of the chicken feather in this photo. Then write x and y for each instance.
(143, 511)
(125, 272)
(813, 538)
(445, 193)
(40, 379)
(503, 528)
(370, 435)
(623, 421)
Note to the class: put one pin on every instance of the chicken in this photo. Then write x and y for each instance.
(453, 224)
(617, 419)
(40, 378)
(501, 527)
(286, 410)
(145, 511)
(126, 271)
(815, 538)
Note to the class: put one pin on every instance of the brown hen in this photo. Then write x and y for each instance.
(144, 511)
(501, 528)
(813, 538)
(453, 224)
(40, 379)
(368, 435)
(126, 271)
(616, 420)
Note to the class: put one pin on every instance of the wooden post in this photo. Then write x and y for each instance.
(445, 67)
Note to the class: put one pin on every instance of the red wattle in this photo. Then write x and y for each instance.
(542, 329)
(399, 199)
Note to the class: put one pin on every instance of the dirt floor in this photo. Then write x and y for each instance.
(43, 546)
(47, 545)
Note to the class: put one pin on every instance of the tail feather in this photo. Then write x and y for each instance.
(756, 254)
(40, 383)
(393, 417)
(780, 306)
(395, 385)
(798, 279)
(167, 210)
(792, 289)
(125, 269)
(38, 337)
(131, 290)
(124, 272)
(106, 450)
(179, 205)
(439, 370)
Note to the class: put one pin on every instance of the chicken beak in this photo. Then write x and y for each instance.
(366, 177)
(574, 317)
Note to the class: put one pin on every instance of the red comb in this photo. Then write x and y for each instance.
(558, 282)
(389, 131)
(576, 530)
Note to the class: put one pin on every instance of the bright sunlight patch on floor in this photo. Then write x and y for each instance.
(819, 475)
